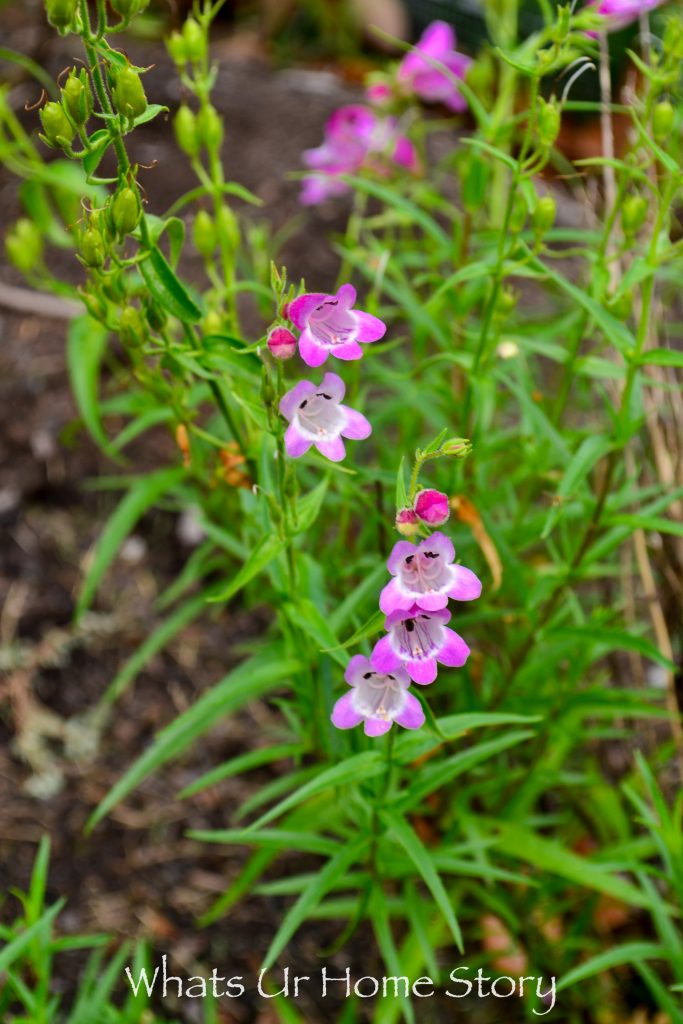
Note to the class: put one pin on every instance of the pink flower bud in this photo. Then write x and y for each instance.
(281, 343)
(432, 507)
(407, 522)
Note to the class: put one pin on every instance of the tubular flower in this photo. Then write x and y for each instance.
(425, 576)
(330, 325)
(432, 507)
(317, 417)
(376, 698)
(355, 136)
(416, 640)
(420, 74)
(622, 12)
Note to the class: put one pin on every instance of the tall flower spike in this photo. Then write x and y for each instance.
(416, 640)
(330, 325)
(424, 575)
(317, 417)
(418, 70)
(378, 699)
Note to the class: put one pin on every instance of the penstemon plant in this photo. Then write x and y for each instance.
(545, 344)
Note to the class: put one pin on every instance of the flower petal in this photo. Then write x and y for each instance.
(393, 599)
(376, 727)
(333, 385)
(430, 602)
(349, 351)
(310, 351)
(295, 443)
(440, 543)
(300, 309)
(355, 669)
(466, 586)
(332, 450)
(370, 328)
(344, 715)
(357, 427)
(412, 716)
(384, 658)
(291, 401)
(455, 651)
(402, 549)
(422, 672)
(346, 296)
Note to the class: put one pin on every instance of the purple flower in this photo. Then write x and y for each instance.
(316, 417)
(377, 698)
(330, 325)
(432, 507)
(622, 12)
(416, 640)
(424, 575)
(419, 72)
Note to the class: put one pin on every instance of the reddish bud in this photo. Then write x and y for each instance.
(407, 522)
(281, 343)
(432, 507)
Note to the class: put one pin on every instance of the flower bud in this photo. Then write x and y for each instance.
(212, 322)
(128, 9)
(549, 121)
(185, 127)
(407, 522)
(92, 247)
(544, 215)
(507, 301)
(281, 343)
(131, 327)
(125, 211)
(59, 131)
(228, 227)
(204, 234)
(210, 127)
(456, 447)
(24, 245)
(175, 44)
(662, 120)
(60, 14)
(432, 507)
(128, 94)
(633, 214)
(77, 97)
(195, 40)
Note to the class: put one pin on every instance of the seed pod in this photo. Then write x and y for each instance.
(549, 121)
(59, 131)
(77, 97)
(195, 40)
(544, 215)
(518, 215)
(177, 51)
(662, 120)
(125, 211)
(24, 245)
(228, 227)
(60, 14)
(186, 133)
(210, 127)
(128, 94)
(633, 214)
(204, 234)
(92, 247)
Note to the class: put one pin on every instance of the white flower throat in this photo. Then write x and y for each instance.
(425, 572)
(378, 696)
(418, 638)
(320, 417)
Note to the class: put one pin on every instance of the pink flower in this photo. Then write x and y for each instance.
(407, 522)
(419, 72)
(432, 507)
(425, 576)
(416, 640)
(355, 136)
(281, 343)
(379, 92)
(316, 417)
(622, 12)
(377, 698)
(330, 325)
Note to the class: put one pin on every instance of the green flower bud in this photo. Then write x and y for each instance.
(662, 120)
(60, 14)
(128, 94)
(77, 97)
(456, 447)
(518, 215)
(175, 44)
(131, 327)
(204, 234)
(24, 245)
(92, 247)
(549, 121)
(544, 215)
(228, 227)
(125, 211)
(210, 127)
(195, 40)
(59, 131)
(128, 9)
(633, 214)
(186, 133)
